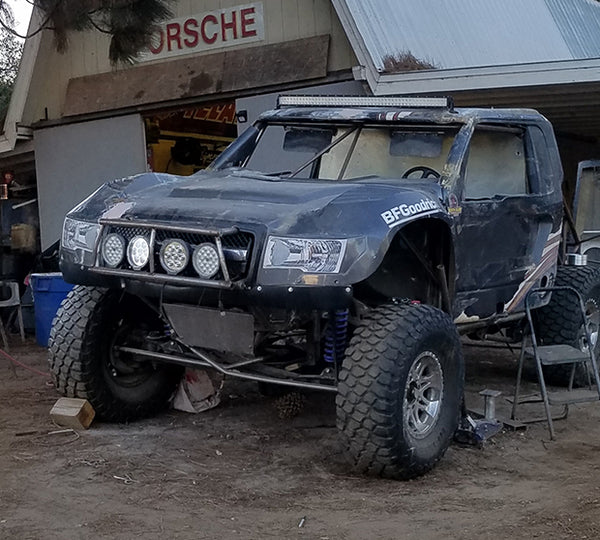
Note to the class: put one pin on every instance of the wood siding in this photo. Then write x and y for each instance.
(284, 20)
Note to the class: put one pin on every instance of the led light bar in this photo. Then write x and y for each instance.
(364, 101)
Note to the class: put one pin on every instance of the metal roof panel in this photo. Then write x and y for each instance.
(579, 23)
(472, 33)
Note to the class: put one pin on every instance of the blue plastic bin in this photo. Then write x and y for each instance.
(49, 290)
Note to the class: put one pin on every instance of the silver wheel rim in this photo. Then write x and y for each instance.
(592, 318)
(423, 395)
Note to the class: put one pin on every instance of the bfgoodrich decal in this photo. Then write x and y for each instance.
(399, 213)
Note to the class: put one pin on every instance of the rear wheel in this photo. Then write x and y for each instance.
(560, 321)
(400, 390)
(86, 362)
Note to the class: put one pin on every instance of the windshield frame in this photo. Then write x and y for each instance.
(350, 126)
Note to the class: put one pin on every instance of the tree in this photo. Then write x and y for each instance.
(130, 23)
(10, 56)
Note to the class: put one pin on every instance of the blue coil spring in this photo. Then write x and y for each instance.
(336, 337)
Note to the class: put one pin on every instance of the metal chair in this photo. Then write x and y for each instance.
(548, 355)
(13, 301)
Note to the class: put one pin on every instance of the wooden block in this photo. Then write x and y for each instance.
(73, 413)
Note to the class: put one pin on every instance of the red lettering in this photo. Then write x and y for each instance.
(156, 49)
(222, 113)
(205, 37)
(227, 113)
(173, 31)
(213, 113)
(247, 18)
(189, 28)
(201, 113)
(232, 25)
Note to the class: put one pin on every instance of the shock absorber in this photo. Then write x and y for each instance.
(336, 336)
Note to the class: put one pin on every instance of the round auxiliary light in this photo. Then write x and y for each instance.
(138, 252)
(174, 256)
(206, 260)
(113, 250)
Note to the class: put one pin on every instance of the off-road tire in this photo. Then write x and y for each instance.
(79, 348)
(560, 320)
(373, 385)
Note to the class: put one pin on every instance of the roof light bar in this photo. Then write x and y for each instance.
(360, 101)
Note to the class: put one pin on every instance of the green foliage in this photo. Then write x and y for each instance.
(10, 55)
(131, 23)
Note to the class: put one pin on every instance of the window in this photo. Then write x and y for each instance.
(345, 152)
(496, 164)
(388, 153)
(273, 156)
(542, 167)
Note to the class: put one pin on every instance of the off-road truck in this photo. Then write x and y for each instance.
(377, 230)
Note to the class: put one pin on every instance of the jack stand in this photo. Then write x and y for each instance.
(476, 432)
(489, 403)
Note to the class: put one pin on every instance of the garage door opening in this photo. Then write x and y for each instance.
(184, 141)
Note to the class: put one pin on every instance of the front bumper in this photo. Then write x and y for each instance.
(199, 292)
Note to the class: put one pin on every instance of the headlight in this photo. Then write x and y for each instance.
(113, 250)
(79, 234)
(79, 237)
(309, 255)
(138, 252)
(174, 256)
(206, 260)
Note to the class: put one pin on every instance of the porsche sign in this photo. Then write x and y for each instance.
(225, 27)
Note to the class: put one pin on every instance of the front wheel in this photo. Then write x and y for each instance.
(400, 390)
(86, 362)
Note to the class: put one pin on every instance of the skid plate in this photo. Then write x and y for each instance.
(214, 329)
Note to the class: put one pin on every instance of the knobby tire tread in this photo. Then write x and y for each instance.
(73, 355)
(369, 405)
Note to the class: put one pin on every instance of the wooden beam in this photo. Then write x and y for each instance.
(200, 75)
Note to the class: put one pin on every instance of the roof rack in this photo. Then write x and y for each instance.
(364, 101)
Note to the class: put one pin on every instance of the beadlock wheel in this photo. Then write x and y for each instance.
(592, 317)
(423, 395)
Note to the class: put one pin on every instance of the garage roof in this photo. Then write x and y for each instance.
(540, 53)
(472, 33)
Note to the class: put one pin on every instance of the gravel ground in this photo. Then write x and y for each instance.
(241, 471)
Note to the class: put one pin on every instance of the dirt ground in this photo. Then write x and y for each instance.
(240, 471)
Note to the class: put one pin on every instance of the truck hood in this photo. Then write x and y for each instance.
(214, 199)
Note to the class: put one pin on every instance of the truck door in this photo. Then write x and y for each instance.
(585, 209)
(507, 230)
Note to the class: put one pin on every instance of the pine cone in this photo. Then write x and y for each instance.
(290, 405)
